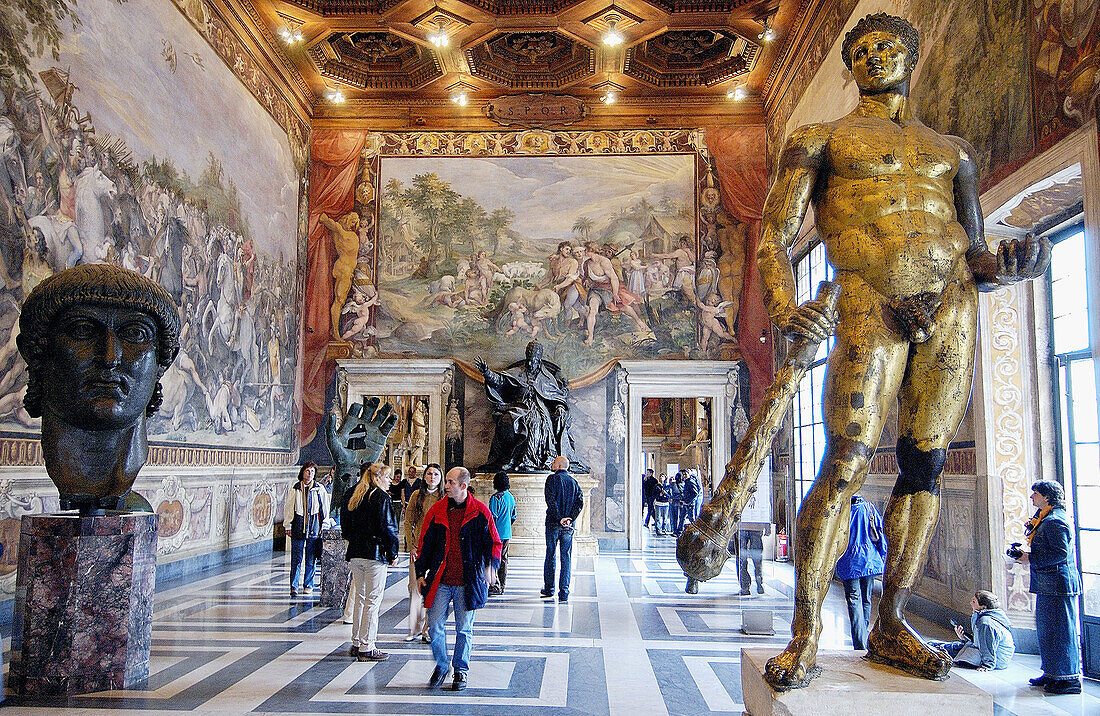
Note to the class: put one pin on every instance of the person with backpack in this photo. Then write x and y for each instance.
(864, 559)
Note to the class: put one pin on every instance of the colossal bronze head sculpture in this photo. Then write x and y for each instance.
(96, 340)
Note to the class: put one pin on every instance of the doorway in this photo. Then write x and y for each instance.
(676, 441)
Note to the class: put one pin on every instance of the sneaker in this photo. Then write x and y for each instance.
(353, 651)
(745, 592)
(459, 683)
(563, 598)
(1040, 681)
(495, 592)
(373, 655)
(293, 592)
(308, 591)
(437, 677)
(425, 639)
(546, 593)
(759, 588)
(411, 637)
(1063, 686)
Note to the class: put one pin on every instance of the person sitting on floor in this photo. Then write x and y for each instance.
(989, 645)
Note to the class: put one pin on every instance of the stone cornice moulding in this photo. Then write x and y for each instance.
(266, 49)
(808, 20)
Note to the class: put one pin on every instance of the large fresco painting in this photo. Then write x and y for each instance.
(1066, 62)
(143, 149)
(594, 256)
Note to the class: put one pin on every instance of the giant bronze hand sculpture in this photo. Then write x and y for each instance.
(360, 440)
(96, 340)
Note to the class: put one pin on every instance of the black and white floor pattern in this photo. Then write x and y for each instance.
(629, 642)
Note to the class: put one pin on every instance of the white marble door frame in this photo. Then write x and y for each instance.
(359, 378)
(717, 380)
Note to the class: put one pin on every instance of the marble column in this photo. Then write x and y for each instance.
(334, 569)
(83, 603)
(529, 530)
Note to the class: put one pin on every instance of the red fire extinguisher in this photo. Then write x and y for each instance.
(781, 546)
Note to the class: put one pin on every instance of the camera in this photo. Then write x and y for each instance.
(1014, 550)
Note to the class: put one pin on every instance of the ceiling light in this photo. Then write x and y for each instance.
(738, 93)
(335, 96)
(289, 36)
(613, 38)
(439, 36)
(768, 34)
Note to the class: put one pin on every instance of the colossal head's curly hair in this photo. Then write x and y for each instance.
(884, 22)
(93, 283)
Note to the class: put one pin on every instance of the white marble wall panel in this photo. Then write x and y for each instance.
(202, 509)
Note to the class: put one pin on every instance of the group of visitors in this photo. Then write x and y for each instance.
(989, 643)
(671, 503)
(458, 559)
(457, 550)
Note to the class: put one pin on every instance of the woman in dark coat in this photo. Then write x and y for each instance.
(370, 527)
(1056, 586)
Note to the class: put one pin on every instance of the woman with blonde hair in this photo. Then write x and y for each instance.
(419, 503)
(370, 528)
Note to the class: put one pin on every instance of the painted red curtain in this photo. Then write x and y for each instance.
(739, 155)
(334, 167)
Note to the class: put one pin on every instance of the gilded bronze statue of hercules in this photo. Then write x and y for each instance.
(896, 205)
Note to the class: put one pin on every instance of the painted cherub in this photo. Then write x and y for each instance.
(360, 304)
(474, 294)
(519, 322)
(711, 312)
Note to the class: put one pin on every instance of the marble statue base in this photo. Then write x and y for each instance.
(83, 612)
(529, 530)
(334, 569)
(853, 685)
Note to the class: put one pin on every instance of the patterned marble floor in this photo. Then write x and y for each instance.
(628, 642)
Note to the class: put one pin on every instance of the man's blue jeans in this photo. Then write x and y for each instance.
(464, 627)
(561, 539)
(310, 549)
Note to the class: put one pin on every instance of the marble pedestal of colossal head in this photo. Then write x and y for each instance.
(96, 340)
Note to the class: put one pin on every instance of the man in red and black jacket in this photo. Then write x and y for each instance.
(457, 559)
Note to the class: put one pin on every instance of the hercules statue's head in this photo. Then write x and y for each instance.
(882, 22)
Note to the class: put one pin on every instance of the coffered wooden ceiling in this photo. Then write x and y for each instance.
(678, 60)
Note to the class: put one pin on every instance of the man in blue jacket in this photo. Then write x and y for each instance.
(864, 559)
(563, 503)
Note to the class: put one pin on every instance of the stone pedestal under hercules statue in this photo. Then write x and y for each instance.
(83, 603)
(855, 686)
(96, 340)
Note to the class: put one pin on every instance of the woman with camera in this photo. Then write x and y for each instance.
(1056, 585)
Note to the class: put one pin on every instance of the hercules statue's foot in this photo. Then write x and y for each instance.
(897, 645)
(795, 668)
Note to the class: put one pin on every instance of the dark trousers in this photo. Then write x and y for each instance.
(751, 547)
(561, 539)
(858, 594)
(677, 516)
(502, 573)
(648, 507)
(1056, 629)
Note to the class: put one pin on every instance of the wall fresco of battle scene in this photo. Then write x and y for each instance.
(114, 152)
(601, 245)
